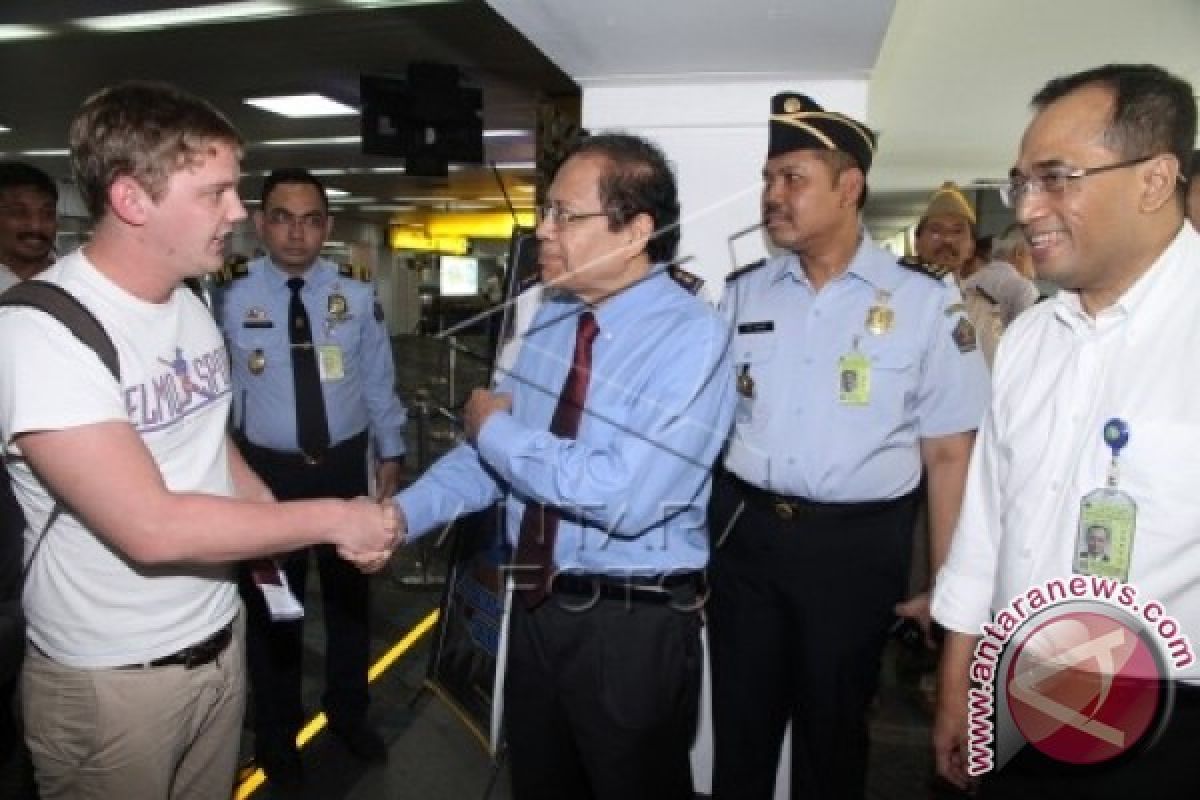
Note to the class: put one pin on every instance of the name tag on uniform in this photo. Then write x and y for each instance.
(330, 363)
(766, 326)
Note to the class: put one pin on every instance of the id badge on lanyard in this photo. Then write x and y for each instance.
(1107, 517)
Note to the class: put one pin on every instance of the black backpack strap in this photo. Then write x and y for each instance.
(74, 315)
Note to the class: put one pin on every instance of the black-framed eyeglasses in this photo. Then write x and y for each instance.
(1055, 180)
(560, 217)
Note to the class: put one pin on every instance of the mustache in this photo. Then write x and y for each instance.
(35, 237)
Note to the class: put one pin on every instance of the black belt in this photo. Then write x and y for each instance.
(675, 586)
(196, 655)
(791, 507)
(285, 459)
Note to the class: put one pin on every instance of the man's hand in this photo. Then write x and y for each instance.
(387, 480)
(371, 528)
(951, 745)
(481, 405)
(372, 561)
(916, 608)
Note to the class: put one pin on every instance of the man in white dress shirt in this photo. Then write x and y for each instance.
(1098, 191)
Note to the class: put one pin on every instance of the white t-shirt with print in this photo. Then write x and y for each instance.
(87, 605)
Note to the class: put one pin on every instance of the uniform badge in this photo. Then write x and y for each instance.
(881, 317)
(256, 317)
(337, 306)
(964, 335)
(745, 383)
(257, 362)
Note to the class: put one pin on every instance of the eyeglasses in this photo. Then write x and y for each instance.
(314, 220)
(1054, 181)
(560, 217)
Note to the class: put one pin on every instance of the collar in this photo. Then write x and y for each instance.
(318, 274)
(869, 264)
(614, 311)
(1144, 301)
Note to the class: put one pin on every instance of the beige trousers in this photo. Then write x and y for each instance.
(165, 733)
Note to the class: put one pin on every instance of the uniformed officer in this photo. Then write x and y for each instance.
(854, 372)
(313, 377)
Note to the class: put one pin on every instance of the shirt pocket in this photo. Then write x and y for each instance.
(893, 377)
(753, 357)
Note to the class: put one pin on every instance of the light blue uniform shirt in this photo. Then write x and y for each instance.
(793, 435)
(635, 482)
(254, 317)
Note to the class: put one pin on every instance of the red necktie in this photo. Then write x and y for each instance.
(539, 524)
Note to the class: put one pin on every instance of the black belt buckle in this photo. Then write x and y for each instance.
(311, 460)
(657, 589)
(200, 654)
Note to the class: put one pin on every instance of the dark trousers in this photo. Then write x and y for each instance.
(1170, 768)
(274, 649)
(798, 619)
(602, 704)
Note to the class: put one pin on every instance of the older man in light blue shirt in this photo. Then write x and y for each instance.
(601, 702)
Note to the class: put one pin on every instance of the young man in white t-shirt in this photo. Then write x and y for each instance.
(131, 610)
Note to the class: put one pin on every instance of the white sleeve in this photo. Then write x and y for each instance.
(49, 380)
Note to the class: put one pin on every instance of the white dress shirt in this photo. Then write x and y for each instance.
(1059, 375)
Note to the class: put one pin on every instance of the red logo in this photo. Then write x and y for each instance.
(1084, 687)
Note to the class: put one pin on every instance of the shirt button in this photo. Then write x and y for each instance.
(1054, 486)
(791, 460)
(1027, 553)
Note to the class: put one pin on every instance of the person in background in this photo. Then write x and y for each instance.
(28, 221)
(313, 381)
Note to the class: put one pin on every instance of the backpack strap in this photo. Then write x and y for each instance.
(52, 299)
(56, 301)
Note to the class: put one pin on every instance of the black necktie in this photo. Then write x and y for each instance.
(312, 428)
(539, 524)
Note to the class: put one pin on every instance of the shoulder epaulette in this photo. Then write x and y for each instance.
(689, 281)
(353, 273)
(740, 271)
(928, 270)
(233, 269)
(980, 291)
(346, 270)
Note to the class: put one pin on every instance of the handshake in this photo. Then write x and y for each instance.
(374, 529)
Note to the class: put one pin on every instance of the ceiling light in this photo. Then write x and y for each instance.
(386, 170)
(4, 129)
(387, 207)
(12, 33)
(505, 132)
(393, 3)
(195, 15)
(302, 106)
(334, 243)
(45, 153)
(329, 171)
(515, 165)
(353, 201)
(338, 193)
(315, 141)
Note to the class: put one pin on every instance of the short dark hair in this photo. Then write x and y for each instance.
(1153, 111)
(292, 175)
(143, 129)
(638, 180)
(1194, 169)
(839, 161)
(17, 174)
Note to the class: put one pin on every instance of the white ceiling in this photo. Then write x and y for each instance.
(950, 80)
